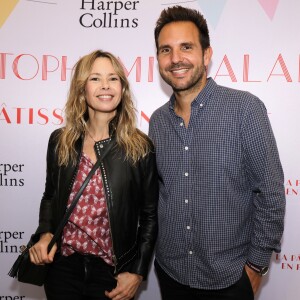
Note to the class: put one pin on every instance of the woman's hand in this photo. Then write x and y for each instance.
(38, 252)
(127, 285)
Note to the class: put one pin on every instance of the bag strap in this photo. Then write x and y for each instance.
(79, 193)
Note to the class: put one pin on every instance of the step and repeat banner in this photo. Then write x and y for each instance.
(256, 48)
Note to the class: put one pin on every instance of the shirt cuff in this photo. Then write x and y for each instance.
(259, 257)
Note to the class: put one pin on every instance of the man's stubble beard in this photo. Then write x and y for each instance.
(192, 85)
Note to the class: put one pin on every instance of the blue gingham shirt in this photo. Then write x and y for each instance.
(222, 199)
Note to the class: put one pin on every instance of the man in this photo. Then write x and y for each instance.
(222, 202)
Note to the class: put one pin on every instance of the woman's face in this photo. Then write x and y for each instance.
(103, 89)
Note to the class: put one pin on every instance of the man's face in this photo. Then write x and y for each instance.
(181, 61)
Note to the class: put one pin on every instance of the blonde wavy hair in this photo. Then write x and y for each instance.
(134, 142)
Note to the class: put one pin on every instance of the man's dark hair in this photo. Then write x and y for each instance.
(178, 13)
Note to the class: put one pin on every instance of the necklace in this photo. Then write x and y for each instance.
(109, 138)
(91, 136)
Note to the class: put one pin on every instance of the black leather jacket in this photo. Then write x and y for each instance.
(131, 194)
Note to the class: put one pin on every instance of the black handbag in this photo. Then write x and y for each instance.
(23, 268)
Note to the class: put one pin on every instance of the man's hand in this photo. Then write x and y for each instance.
(38, 252)
(254, 278)
(127, 285)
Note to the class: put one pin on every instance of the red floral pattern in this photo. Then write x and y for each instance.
(87, 230)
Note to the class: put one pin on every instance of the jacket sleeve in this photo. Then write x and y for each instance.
(266, 178)
(148, 217)
(45, 214)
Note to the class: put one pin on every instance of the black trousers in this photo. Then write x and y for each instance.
(173, 290)
(79, 277)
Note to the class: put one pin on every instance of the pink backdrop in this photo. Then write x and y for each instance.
(256, 48)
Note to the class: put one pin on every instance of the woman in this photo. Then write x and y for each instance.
(107, 244)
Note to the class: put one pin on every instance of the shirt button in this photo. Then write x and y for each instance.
(101, 146)
(201, 105)
(191, 252)
(186, 148)
(188, 227)
(186, 201)
(181, 124)
(186, 174)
